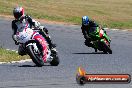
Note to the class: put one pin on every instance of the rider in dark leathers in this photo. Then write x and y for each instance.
(88, 26)
(21, 19)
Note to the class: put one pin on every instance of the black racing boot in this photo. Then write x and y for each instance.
(52, 48)
(51, 44)
(44, 33)
(89, 44)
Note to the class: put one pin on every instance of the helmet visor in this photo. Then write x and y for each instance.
(85, 23)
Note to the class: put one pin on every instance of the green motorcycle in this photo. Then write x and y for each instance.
(100, 40)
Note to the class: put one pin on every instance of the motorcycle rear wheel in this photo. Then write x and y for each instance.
(107, 49)
(55, 61)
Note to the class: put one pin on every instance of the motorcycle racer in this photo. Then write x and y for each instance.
(89, 27)
(22, 20)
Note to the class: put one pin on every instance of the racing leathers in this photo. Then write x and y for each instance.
(16, 24)
(86, 31)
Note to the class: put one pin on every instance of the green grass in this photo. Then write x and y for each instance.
(110, 13)
(8, 56)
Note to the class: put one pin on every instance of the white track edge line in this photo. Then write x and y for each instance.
(21, 61)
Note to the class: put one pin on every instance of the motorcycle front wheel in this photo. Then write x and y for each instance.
(36, 57)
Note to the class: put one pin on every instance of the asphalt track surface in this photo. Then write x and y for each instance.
(73, 53)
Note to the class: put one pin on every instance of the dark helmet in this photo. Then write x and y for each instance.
(18, 12)
(85, 20)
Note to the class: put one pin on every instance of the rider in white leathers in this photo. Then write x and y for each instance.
(21, 20)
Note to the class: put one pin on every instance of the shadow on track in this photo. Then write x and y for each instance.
(91, 53)
(31, 65)
(27, 66)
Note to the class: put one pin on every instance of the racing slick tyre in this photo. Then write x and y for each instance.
(55, 61)
(107, 49)
(36, 58)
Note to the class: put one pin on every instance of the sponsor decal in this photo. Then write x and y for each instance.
(82, 77)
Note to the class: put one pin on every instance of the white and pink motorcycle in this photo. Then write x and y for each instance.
(36, 47)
